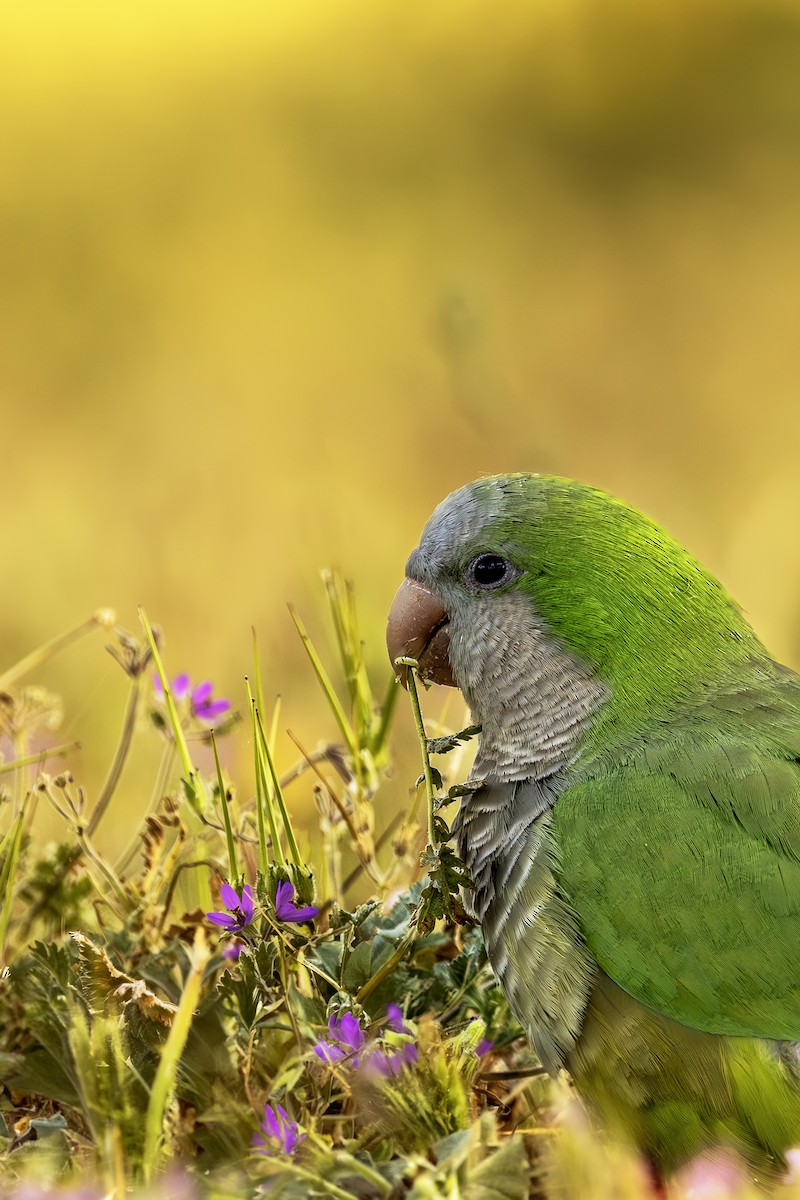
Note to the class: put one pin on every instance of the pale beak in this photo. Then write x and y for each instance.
(418, 628)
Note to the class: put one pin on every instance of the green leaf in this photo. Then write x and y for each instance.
(504, 1175)
(444, 745)
(359, 967)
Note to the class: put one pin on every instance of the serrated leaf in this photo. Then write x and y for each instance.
(450, 741)
(457, 790)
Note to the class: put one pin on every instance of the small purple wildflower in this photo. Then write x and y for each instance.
(278, 1133)
(201, 704)
(395, 1022)
(328, 1052)
(286, 910)
(240, 908)
(347, 1030)
(348, 1038)
(393, 1062)
(179, 686)
(232, 950)
(483, 1047)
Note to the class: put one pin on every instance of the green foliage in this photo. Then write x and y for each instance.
(357, 1040)
(125, 1023)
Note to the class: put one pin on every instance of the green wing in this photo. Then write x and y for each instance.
(684, 870)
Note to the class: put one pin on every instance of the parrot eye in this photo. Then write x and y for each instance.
(490, 571)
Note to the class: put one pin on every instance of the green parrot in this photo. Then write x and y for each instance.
(633, 839)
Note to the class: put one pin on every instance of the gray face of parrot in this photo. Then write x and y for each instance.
(464, 615)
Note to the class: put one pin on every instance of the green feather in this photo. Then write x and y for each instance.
(672, 1091)
(685, 897)
(638, 859)
(620, 592)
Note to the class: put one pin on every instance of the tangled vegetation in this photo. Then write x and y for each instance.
(209, 1017)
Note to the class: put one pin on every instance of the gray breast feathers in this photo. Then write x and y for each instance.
(532, 936)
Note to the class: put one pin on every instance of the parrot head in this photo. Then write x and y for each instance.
(467, 557)
(537, 595)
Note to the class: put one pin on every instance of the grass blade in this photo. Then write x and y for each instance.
(226, 816)
(163, 1087)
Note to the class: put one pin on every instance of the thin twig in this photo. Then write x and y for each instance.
(121, 754)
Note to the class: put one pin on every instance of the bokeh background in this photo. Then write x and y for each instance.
(277, 276)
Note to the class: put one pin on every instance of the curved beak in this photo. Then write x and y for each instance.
(417, 628)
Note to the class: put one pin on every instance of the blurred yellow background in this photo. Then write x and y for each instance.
(277, 276)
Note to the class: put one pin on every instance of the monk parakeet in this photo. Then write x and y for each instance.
(633, 839)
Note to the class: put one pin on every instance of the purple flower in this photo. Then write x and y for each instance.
(393, 1062)
(278, 1133)
(240, 909)
(232, 950)
(329, 1053)
(285, 910)
(347, 1030)
(483, 1047)
(348, 1038)
(179, 686)
(201, 704)
(394, 1014)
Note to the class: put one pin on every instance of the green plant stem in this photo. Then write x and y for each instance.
(106, 871)
(40, 757)
(102, 618)
(387, 712)
(121, 754)
(193, 781)
(343, 813)
(387, 833)
(263, 800)
(285, 983)
(164, 1083)
(327, 687)
(8, 876)
(162, 775)
(324, 1185)
(277, 791)
(173, 883)
(366, 1172)
(413, 666)
(226, 816)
